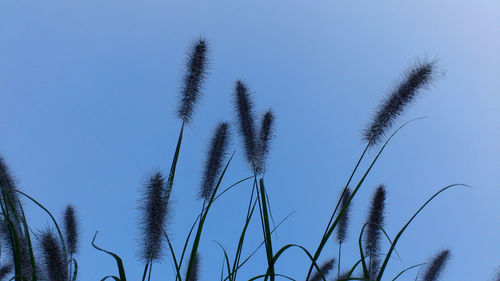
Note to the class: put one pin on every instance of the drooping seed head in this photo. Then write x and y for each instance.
(325, 270)
(193, 79)
(215, 160)
(344, 220)
(265, 135)
(436, 266)
(53, 257)
(71, 229)
(195, 273)
(412, 82)
(246, 121)
(155, 209)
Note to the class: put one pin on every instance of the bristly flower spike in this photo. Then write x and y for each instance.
(195, 273)
(53, 257)
(374, 223)
(246, 120)
(325, 269)
(4, 270)
(216, 155)
(193, 79)
(436, 266)
(344, 220)
(413, 81)
(265, 135)
(155, 210)
(71, 229)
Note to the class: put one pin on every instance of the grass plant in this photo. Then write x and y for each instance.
(52, 253)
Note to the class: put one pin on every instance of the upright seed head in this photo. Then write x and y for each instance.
(154, 207)
(246, 120)
(344, 220)
(265, 135)
(436, 266)
(325, 269)
(375, 221)
(53, 257)
(71, 229)
(194, 77)
(196, 269)
(215, 158)
(416, 79)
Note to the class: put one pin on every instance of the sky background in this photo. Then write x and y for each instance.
(89, 91)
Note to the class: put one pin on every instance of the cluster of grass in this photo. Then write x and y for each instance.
(53, 258)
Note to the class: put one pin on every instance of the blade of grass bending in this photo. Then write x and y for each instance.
(13, 232)
(386, 260)
(226, 260)
(177, 267)
(119, 263)
(336, 221)
(267, 234)
(111, 276)
(289, 246)
(197, 238)
(405, 270)
(59, 232)
(75, 270)
(277, 274)
(362, 256)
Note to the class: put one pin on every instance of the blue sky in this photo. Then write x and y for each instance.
(89, 91)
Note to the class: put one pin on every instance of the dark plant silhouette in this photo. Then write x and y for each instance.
(193, 79)
(215, 160)
(401, 96)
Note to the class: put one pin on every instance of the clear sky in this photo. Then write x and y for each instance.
(89, 91)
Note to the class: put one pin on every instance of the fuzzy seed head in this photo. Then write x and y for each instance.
(375, 220)
(154, 208)
(325, 270)
(53, 257)
(246, 121)
(436, 266)
(215, 160)
(5, 270)
(413, 81)
(344, 220)
(265, 135)
(193, 79)
(71, 229)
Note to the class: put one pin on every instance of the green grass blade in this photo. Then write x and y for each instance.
(405, 270)
(177, 267)
(336, 221)
(197, 238)
(54, 221)
(386, 260)
(119, 263)
(267, 234)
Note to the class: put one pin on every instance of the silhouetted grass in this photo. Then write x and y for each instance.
(55, 259)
